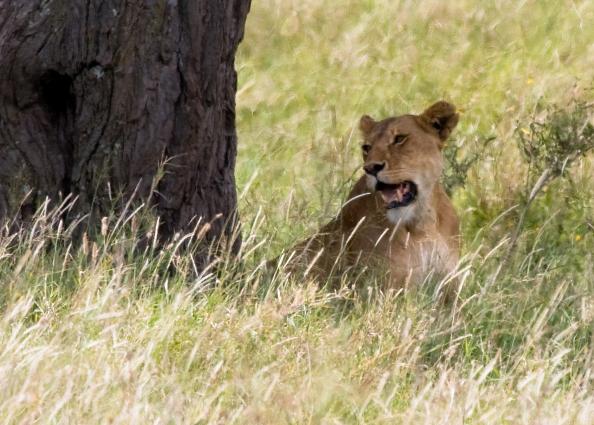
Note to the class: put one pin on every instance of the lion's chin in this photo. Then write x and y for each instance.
(402, 215)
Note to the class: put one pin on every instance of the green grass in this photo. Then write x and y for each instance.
(103, 334)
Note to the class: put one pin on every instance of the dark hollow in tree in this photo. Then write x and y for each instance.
(102, 91)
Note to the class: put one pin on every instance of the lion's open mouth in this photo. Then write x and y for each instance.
(397, 195)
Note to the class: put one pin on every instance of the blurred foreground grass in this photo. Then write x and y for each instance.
(103, 334)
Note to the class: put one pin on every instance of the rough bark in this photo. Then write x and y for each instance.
(95, 94)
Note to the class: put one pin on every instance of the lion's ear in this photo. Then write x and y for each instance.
(442, 116)
(366, 124)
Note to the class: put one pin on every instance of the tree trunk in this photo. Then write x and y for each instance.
(95, 94)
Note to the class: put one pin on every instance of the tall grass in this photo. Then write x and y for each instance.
(117, 330)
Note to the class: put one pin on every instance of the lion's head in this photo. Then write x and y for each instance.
(403, 159)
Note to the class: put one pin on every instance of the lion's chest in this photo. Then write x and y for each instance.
(415, 258)
(410, 257)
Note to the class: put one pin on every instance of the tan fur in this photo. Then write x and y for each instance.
(411, 241)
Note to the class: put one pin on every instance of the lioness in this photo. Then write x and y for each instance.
(397, 215)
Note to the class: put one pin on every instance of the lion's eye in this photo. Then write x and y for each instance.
(400, 139)
(366, 148)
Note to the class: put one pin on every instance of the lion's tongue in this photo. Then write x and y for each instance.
(397, 194)
(389, 195)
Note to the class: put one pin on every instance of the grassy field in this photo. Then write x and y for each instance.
(103, 334)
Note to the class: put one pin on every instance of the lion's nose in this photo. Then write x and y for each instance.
(374, 168)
